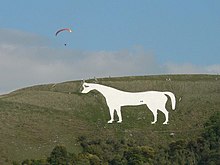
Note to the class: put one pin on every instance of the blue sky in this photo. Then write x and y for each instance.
(110, 38)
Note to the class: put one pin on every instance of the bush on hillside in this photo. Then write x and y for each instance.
(205, 150)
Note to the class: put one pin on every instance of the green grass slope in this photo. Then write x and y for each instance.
(35, 119)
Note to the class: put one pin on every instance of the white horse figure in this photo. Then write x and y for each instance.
(115, 99)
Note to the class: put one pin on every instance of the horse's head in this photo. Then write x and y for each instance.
(86, 87)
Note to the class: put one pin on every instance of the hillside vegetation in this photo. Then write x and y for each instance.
(34, 120)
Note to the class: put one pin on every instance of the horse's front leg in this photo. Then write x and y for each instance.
(111, 110)
(118, 110)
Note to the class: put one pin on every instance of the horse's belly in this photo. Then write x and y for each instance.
(131, 101)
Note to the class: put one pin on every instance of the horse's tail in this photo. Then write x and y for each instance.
(172, 97)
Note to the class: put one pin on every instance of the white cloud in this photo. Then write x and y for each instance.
(188, 68)
(16, 37)
(27, 59)
(213, 69)
(119, 63)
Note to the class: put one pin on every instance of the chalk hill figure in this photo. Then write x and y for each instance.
(115, 99)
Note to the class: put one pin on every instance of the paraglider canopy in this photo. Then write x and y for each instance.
(64, 29)
(61, 30)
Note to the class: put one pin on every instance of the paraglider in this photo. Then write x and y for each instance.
(61, 30)
(65, 29)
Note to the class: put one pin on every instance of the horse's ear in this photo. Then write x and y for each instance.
(83, 81)
(96, 80)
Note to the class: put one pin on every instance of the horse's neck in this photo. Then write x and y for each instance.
(104, 90)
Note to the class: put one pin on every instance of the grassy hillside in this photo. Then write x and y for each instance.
(35, 119)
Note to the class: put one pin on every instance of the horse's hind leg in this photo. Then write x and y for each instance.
(166, 113)
(154, 111)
